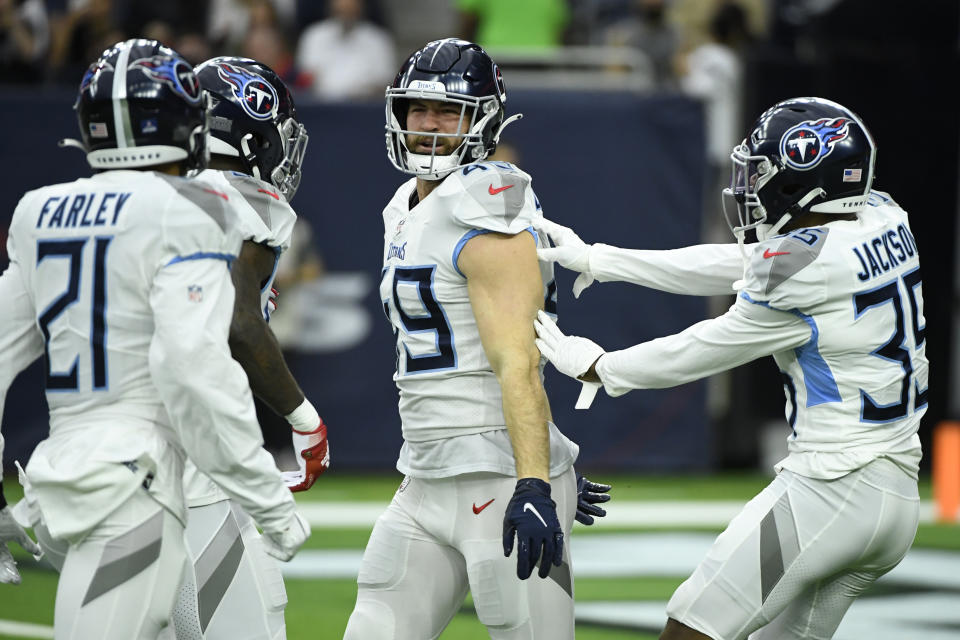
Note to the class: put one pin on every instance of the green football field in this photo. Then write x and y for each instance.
(616, 601)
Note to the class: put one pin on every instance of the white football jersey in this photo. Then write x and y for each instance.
(262, 215)
(840, 307)
(113, 279)
(447, 386)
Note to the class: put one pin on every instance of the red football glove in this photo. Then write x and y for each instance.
(313, 457)
(272, 300)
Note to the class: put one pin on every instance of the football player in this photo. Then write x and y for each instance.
(121, 281)
(833, 291)
(257, 148)
(486, 470)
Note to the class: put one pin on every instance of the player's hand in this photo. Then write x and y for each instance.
(282, 545)
(571, 355)
(569, 251)
(272, 300)
(532, 516)
(313, 457)
(589, 494)
(11, 531)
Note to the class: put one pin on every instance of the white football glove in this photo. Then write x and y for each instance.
(570, 252)
(284, 544)
(11, 531)
(571, 355)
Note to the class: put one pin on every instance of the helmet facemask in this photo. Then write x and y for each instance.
(286, 175)
(484, 116)
(750, 175)
(741, 200)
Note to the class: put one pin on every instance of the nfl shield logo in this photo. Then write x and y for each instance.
(195, 293)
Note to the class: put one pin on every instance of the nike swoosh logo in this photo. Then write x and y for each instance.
(494, 192)
(532, 509)
(269, 193)
(767, 254)
(486, 504)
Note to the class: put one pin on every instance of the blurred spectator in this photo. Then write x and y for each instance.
(160, 31)
(589, 19)
(136, 17)
(267, 45)
(713, 72)
(347, 56)
(413, 24)
(509, 24)
(648, 30)
(311, 11)
(80, 36)
(230, 20)
(194, 47)
(24, 38)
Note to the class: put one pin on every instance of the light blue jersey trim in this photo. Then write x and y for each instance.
(818, 379)
(473, 233)
(204, 255)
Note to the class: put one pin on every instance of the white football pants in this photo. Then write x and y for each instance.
(799, 554)
(120, 581)
(232, 590)
(439, 538)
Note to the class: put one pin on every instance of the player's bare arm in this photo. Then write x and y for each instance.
(506, 291)
(254, 346)
(252, 343)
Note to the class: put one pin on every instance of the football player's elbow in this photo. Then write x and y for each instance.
(244, 329)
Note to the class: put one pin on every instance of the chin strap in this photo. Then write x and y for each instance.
(249, 156)
(793, 211)
(71, 142)
(513, 118)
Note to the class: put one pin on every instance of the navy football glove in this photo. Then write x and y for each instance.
(532, 515)
(589, 494)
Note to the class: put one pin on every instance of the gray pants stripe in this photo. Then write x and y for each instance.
(125, 556)
(779, 545)
(560, 575)
(216, 567)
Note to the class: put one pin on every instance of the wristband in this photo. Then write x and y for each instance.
(304, 419)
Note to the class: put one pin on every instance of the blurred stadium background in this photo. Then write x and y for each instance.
(631, 107)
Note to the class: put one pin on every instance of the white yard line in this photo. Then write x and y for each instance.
(25, 629)
(620, 513)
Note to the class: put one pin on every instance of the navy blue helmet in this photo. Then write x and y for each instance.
(803, 154)
(454, 71)
(253, 118)
(140, 105)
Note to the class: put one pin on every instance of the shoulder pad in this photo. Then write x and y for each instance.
(498, 197)
(203, 196)
(877, 198)
(197, 220)
(778, 259)
(265, 216)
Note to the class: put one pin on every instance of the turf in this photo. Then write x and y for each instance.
(319, 608)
